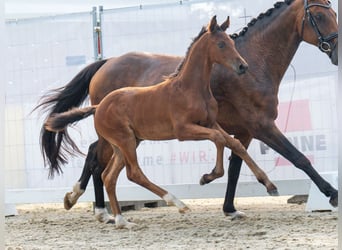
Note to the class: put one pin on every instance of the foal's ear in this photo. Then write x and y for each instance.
(213, 24)
(225, 24)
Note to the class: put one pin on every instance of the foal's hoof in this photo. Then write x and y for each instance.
(127, 225)
(237, 215)
(204, 180)
(273, 192)
(67, 203)
(122, 223)
(184, 210)
(334, 199)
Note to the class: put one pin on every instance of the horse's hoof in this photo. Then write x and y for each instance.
(67, 204)
(110, 221)
(334, 199)
(237, 215)
(273, 192)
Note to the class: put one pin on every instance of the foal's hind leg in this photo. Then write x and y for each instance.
(110, 176)
(135, 174)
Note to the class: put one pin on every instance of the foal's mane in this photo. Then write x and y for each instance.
(194, 40)
(180, 65)
(269, 12)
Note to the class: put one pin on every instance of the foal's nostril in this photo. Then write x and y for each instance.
(242, 69)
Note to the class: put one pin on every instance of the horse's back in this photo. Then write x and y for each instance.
(131, 69)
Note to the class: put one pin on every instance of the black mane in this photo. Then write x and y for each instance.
(269, 12)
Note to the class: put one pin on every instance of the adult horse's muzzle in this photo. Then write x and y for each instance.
(334, 54)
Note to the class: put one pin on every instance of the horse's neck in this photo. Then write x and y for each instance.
(196, 71)
(272, 47)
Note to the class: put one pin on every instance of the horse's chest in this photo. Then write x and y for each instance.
(205, 113)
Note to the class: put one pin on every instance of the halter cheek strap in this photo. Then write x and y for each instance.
(323, 41)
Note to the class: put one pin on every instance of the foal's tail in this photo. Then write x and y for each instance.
(59, 121)
(56, 145)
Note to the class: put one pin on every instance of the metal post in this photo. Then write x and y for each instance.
(100, 32)
(339, 122)
(2, 117)
(97, 33)
(94, 13)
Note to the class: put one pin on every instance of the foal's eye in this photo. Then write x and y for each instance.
(221, 45)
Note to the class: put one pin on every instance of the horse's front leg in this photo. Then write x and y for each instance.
(278, 142)
(234, 168)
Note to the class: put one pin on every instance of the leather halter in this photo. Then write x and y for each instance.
(323, 41)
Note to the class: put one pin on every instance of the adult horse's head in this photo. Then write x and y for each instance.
(222, 47)
(318, 26)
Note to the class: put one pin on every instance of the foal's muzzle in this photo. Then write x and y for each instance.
(242, 68)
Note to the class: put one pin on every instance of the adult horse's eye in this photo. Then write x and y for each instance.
(221, 45)
(319, 17)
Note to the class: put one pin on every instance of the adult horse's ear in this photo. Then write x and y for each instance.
(213, 24)
(225, 24)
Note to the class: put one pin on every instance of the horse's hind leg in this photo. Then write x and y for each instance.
(70, 198)
(101, 212)
(104, 153)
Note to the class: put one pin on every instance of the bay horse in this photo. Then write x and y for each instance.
(268, 43)
(181, 107)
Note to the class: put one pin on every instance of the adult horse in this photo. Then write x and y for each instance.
(181, 107)
(268, 44)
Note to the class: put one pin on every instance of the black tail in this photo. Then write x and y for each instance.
(56, 145)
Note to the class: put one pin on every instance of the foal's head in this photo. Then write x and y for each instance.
(221, 47)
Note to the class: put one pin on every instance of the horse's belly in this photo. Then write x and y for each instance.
(159, 131)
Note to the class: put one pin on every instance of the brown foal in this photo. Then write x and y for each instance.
(181, 107)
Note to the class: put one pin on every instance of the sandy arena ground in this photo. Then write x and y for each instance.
(272, 223)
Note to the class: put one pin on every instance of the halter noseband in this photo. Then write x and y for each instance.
(323, 42)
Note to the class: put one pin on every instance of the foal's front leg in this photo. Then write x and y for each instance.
(237, 147)
(196, 132)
